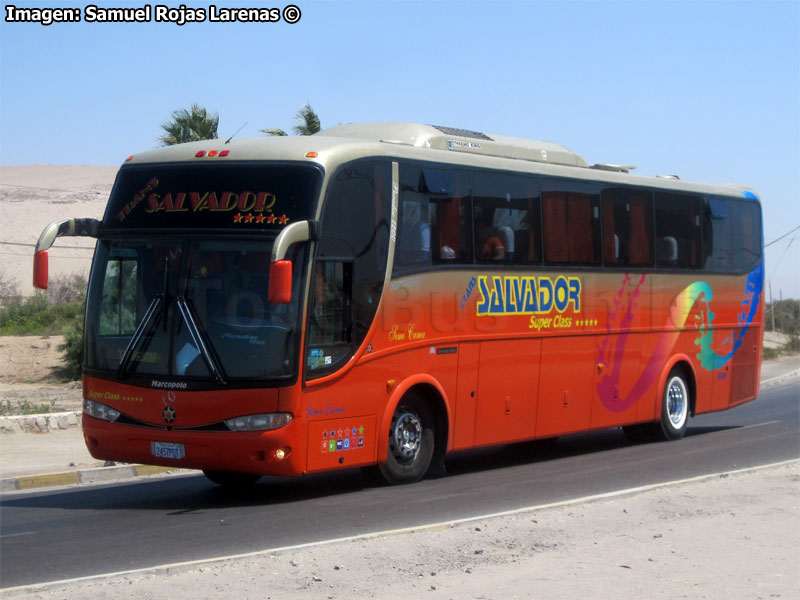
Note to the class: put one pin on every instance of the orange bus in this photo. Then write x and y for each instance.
(381, 295)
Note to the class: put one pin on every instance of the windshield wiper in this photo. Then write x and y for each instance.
(205, 348)
(146, 325)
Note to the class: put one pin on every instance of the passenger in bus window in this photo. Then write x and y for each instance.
(493, 241)
(415, 235)
(493, 249)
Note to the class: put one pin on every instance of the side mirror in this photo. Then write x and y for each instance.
(280, 270)
(40, 270)
(280, 282)
(56, 229)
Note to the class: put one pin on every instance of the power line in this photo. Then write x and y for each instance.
(783, 236)
(778, 262)
(34, 245)
(46, 189)
(57, 257)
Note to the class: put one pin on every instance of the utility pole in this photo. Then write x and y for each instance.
(771, 306)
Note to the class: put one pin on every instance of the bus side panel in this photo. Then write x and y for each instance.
(466, 395)
(565, 386)
(704, 378)
(721, 386)
(507, 382)
(442, 363)
(652, 361)
(736, 342)
(352, 401)
(341, 442)
(745, 368)
(616, 398)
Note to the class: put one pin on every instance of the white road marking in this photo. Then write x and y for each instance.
(759, 425)
(13, 535)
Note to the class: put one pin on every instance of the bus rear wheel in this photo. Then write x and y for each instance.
(675, 402)
(411, 443)
(231, 479)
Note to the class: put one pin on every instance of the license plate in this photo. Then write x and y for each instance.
(168, 450)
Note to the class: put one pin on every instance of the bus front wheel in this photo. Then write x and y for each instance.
(411, 442)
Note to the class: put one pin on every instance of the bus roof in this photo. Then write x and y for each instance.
(458, 140)
(415, 141)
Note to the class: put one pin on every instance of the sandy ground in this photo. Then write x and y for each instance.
(33, 196)
(30, 375)
(727, 537)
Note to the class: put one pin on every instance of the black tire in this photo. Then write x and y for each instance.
(411, 443)
(231, 479)
(675, 403)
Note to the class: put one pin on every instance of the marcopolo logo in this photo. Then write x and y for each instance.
(168, 385)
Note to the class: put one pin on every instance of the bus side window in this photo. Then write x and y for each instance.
(506, 218)
(678, 231)
(449, 232)
(414, 239)
(352, 253)
(433, 216)
(730, 234)
(330, 315)
(627, 227)
(571, 223)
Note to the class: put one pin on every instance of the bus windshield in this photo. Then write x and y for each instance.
(180, 277)
(192, 309)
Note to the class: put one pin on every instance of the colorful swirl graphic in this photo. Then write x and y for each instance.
(680, 310)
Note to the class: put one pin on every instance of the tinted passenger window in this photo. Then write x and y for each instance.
(627, 227)
(732, 238)
(678, 236)
(507, 216)
(432, 218)
(571, 223)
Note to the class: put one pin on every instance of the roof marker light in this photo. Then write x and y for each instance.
(225, 153)
(212, 153)
(312, 154)
(200, 154)
(130, 157)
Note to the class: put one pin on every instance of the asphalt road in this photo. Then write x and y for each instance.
(47, 536)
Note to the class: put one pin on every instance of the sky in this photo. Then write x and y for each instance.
(709, 91)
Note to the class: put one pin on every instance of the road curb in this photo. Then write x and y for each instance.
(82, 476)
(780, 379)
(41, 423)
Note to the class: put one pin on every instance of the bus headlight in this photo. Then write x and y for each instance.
(263, 422)
(100, 411)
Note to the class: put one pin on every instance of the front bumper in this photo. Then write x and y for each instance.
(245, 452)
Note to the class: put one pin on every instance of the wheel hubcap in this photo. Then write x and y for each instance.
(677, 402)
(407, 436)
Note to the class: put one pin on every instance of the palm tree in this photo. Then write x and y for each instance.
(190, 126)
(308, 123)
